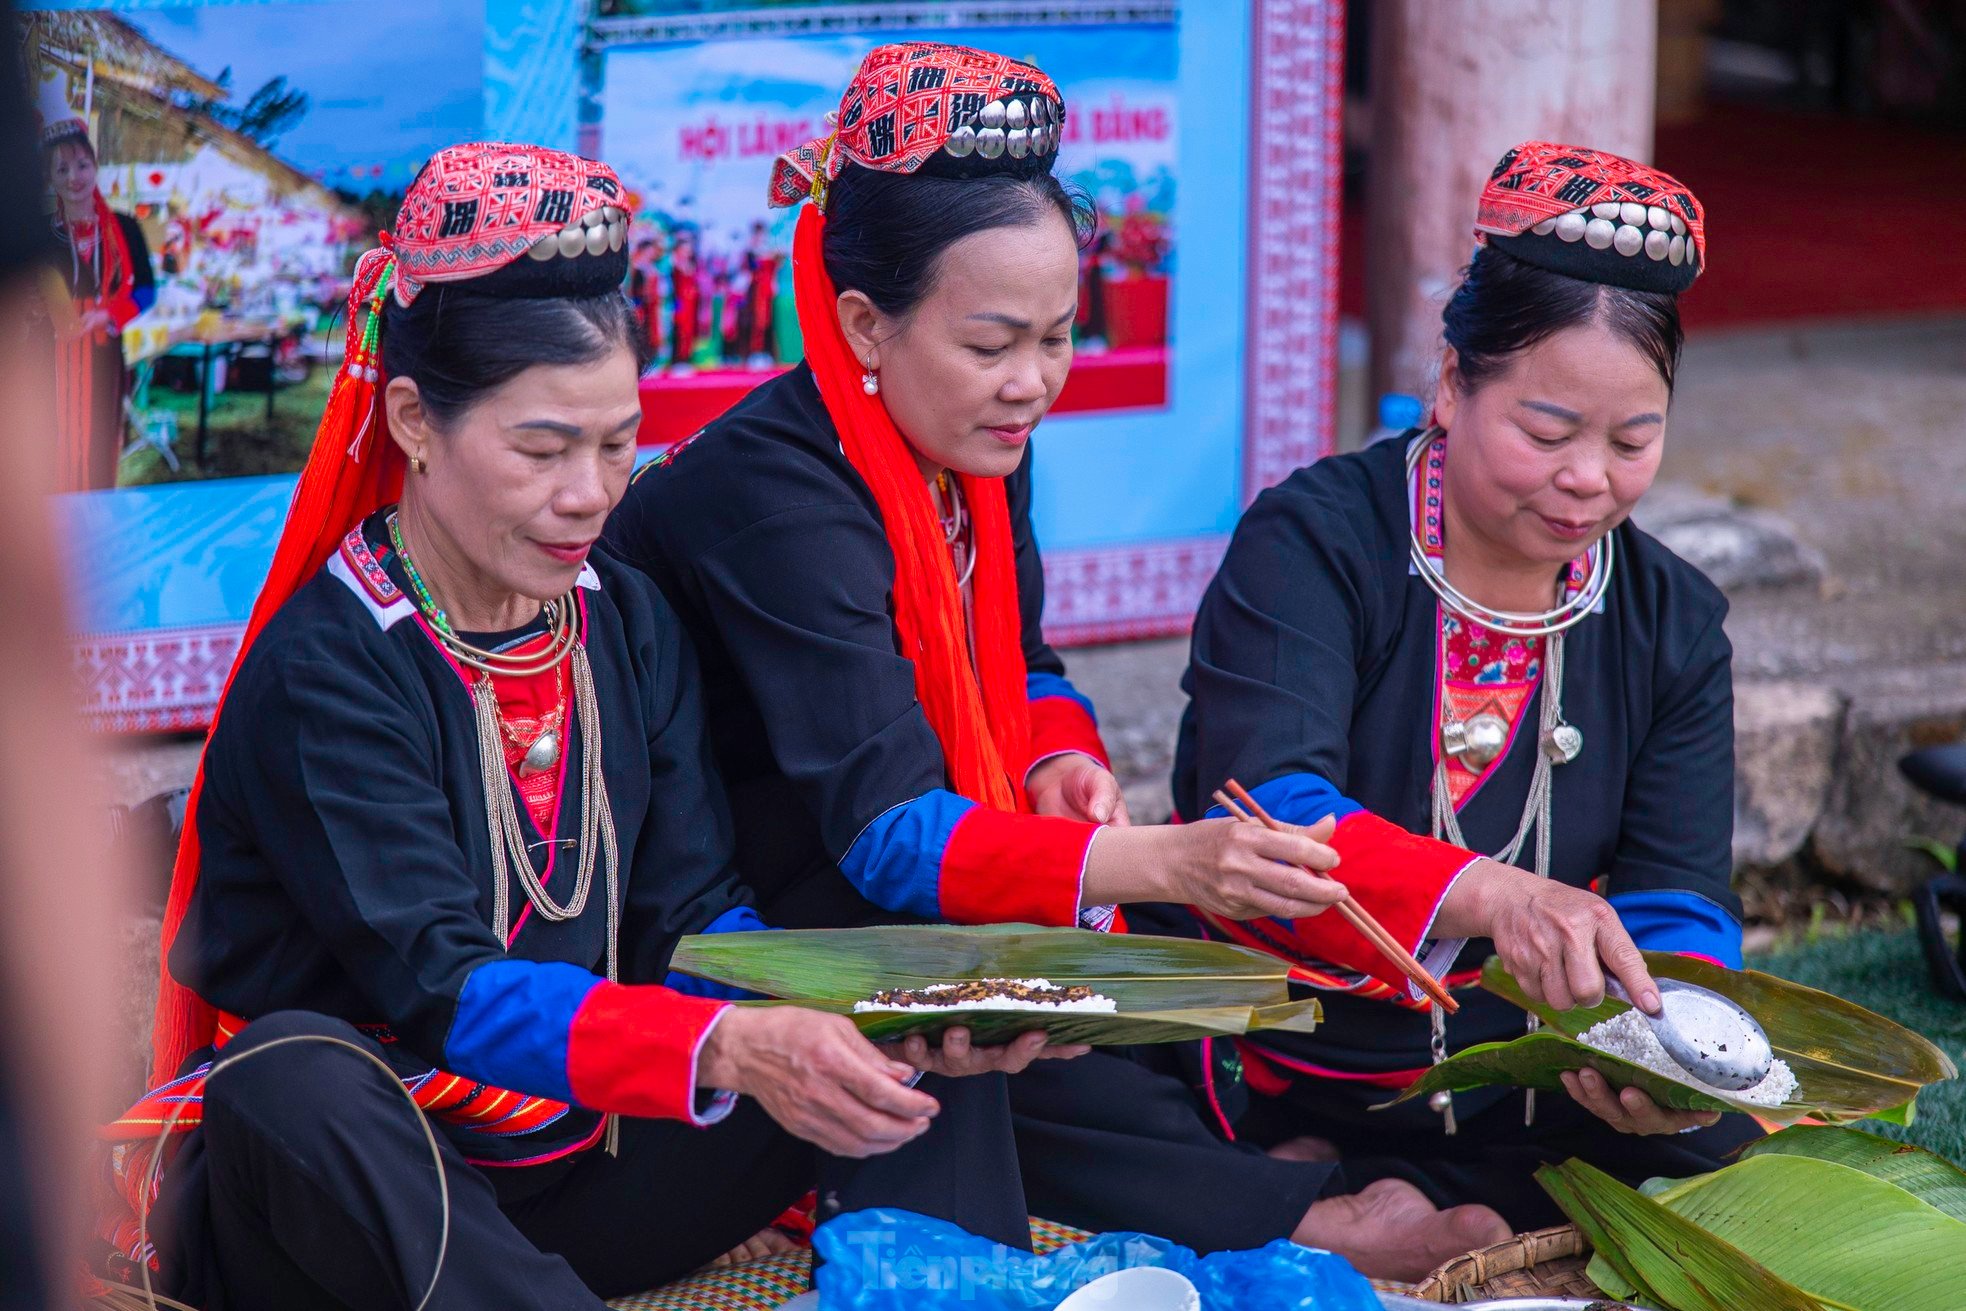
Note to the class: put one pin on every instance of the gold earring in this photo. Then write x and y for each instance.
(416, 463)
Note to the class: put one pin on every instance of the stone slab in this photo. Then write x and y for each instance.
(1786, 736)
(1870, 811)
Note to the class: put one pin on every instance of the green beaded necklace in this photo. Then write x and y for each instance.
(560, 623)
(424, 601)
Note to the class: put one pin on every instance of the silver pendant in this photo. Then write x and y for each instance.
(543, 754)
(1487, 738)
(1442, 1104)
(1563, 744)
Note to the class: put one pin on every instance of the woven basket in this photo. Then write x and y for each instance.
(1547, 1263)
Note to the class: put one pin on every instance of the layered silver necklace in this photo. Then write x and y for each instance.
(1481, 739)
(510, 854)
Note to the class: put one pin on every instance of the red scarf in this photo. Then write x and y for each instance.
(115, 278)
(985, 729)
(354, 470)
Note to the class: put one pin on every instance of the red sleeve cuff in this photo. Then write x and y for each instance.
(1060, 724)
(1014, 869)
(121, 310)
(632, 1050)
(1399, 877)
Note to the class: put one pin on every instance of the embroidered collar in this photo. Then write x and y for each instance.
(368, 567)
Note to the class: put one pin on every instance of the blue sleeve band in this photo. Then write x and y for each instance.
(1041, 685)
(512, 1023)
(1299, 799)
(1680, 922)
(896, 862)
(144, 297)
(738, 919)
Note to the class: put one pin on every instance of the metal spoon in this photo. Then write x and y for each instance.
(1708, 1035)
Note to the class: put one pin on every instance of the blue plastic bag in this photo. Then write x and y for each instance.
(889, 1260)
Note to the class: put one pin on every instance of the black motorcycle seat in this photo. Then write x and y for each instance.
(1938, 771)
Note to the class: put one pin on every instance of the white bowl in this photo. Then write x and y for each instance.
(1146, 1288)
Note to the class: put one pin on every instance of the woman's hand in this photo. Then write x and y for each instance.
(957, 1057)
(1557, 941)
(817, 1077)
(1076, 787)
(94, 321)
(1236, 870)
(1631, 1110)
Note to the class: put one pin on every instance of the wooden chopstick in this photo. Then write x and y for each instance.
(1354, 913)
(1251, 811)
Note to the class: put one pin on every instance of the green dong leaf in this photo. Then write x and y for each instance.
(1646, 1252)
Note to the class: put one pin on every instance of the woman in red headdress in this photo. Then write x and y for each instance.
(456, 811)
(851, 549)
(1460, 634)
(104, 259)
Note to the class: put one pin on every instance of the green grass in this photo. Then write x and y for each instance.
(241, 442)
(1886, 972)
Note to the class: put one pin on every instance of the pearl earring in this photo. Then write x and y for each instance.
(870, 382)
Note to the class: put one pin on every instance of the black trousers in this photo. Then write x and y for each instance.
(1110, 1141)
(1494, 1156)
(1105, 1143)
(310, 1185)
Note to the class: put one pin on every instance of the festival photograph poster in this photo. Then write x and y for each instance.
(693, 122)
(693, 127)
(259, 147)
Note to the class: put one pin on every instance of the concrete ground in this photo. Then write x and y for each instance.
(1834, 452)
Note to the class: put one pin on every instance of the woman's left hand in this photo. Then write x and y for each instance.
(1077, 787)
(957, 1057)
(1630, 1110)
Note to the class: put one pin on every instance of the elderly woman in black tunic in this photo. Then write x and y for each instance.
(851, 549)
(1460, 633)
(455, 813)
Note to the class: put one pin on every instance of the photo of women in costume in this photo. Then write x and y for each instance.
(104, 259)
(1460, 635)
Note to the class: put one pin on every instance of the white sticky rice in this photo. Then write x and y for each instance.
(1104, 1005)
(1628, 1036)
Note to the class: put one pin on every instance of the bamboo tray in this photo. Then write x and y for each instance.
(1546, 1263)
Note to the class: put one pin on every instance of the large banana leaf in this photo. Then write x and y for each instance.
(1849, 1063)
(1847, 1238)
(1537, 1060)
(1167, 989)
(1928, 1177)
(1645, 1252)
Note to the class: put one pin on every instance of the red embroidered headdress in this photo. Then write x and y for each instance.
(956, 111)
(513, 221)
(1595, 216)
(950, 112)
